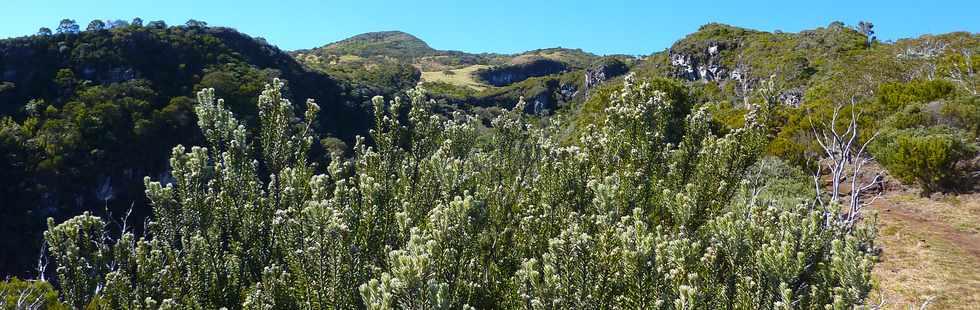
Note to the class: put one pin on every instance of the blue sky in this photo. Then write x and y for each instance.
(603, 27)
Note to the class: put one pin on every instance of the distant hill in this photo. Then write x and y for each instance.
(386, 62)
(394, 44)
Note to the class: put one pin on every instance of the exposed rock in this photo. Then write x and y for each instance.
(792, 97)
(567, 91)
(506, 75)
(539, 105)
(105, 191)
(701, 64)
(603, 70)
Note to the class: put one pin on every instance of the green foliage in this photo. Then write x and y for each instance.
(648, 208)
(924, 156)
(395, 44)
(382, 77)
(895, 105)
(18, 294)
(78, 246)
(90, 113)
(962, 113)
(593, 110)
(449, 92)
(895, 96)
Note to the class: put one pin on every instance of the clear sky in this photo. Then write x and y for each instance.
(506, 26)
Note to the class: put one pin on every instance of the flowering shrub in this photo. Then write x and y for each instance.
(439, 213)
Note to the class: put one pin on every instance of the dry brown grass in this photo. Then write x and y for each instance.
(462, 77)
(930, 251)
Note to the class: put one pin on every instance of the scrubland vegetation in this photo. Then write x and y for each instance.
(739, 169)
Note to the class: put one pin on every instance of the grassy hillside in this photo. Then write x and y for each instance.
(394, 44)
(465, 76)
(458, 78)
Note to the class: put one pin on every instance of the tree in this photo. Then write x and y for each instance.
(44, 31)
(193, 23)
(96, 25)
(65, 80)
(961, 64)
(67, 26)
(137, 22)
(116, 23)
(157, 24)
(843, 150)
(867, 29)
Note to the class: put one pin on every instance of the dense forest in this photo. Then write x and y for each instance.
(156, 166)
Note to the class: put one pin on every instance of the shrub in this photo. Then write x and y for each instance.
(894, 96)
(962, 113)
(436, 214)
(924, 156)
(28, 295)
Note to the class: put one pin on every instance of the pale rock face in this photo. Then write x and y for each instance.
(105, 191)
(792, 97)
(568, 91)
(502, 78)
(679, 60)
(539, 107)
(925, 50)
(598, 74)
(736, 75)
(700, 67)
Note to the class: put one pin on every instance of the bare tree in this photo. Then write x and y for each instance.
(843, 150)
(962, 71)
(867, 29)
(741, 76)
(27, 299)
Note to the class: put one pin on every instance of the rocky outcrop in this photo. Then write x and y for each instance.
(703, 65)
(602, 71)
(791, 97)
(506, 75)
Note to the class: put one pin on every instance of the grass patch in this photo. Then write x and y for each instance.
(927, 252)
(460, 77)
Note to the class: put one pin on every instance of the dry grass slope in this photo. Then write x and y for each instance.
(931, 251)
(462, 77)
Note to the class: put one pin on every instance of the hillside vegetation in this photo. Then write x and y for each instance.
(84, 116)
(456, 78)
(735, 169)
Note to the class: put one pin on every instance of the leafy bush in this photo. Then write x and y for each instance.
(894, 96)
(924, 156)
(439, 215)
(962, 113)
(28, 295)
